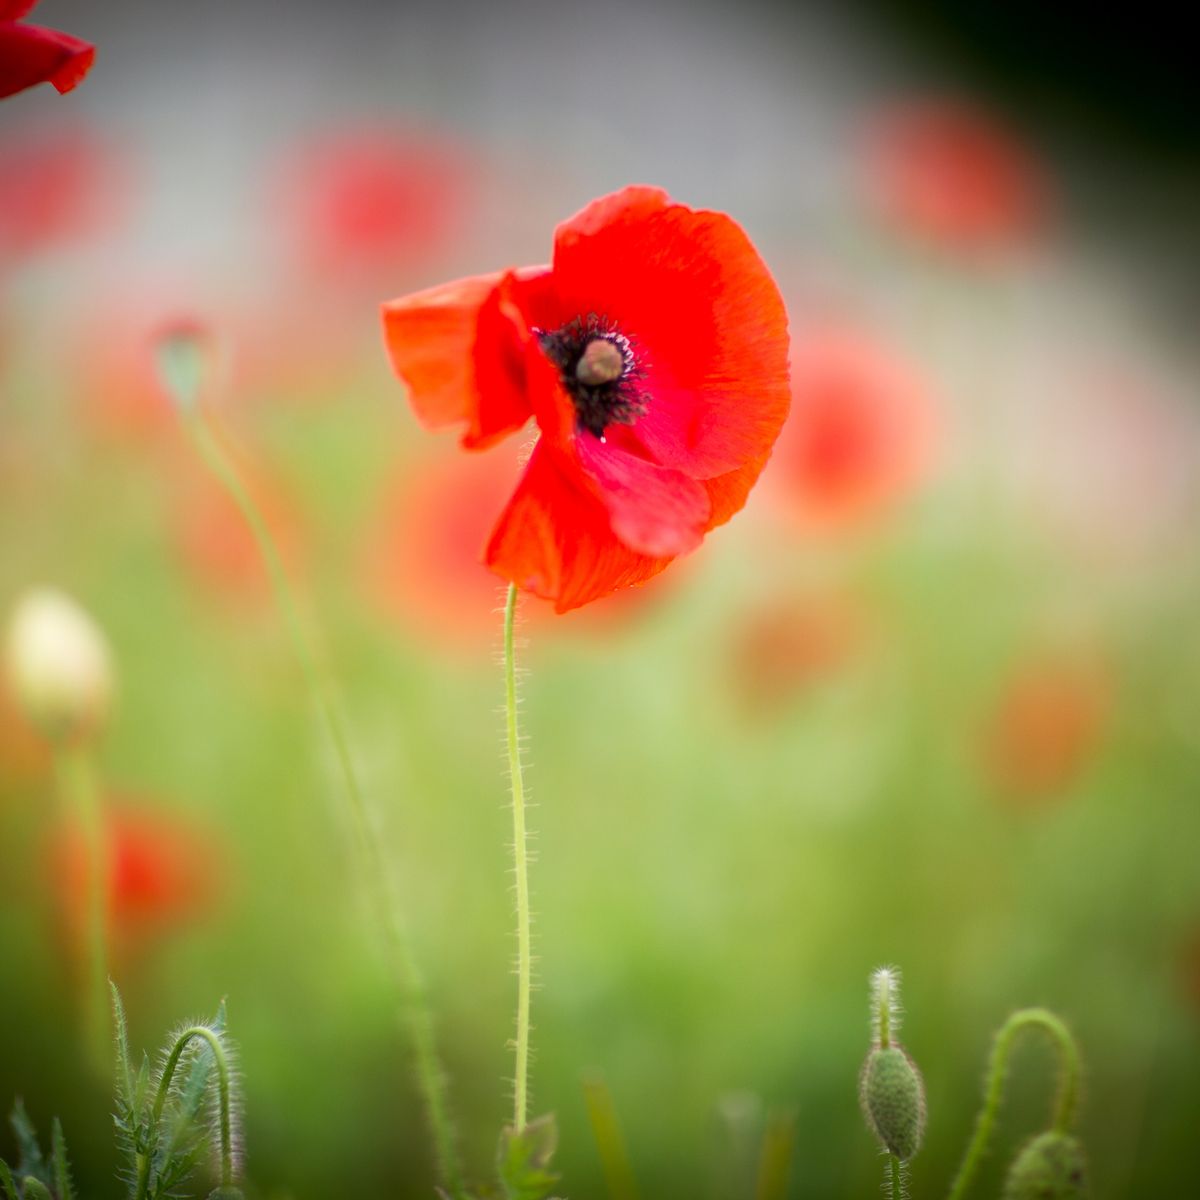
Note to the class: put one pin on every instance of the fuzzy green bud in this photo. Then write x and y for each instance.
(892, 1094)
(58, 665)
(34, 1189)
(1050, 1167)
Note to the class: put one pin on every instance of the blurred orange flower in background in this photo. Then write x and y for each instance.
(950, 173)
(790, 645)
(1047, 725)
(161, 870)
(860, 435)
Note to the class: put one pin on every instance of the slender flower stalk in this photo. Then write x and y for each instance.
(224, 1101)
(520, 870)
(1065, 1105)
(606, 1129)
(179, 366)
(81, 798)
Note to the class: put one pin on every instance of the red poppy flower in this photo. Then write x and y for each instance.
(949, 173)
(421, 560)
(652, 354)
(31, 54)
(860, 431)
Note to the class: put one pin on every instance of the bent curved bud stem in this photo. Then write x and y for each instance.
(1066, 1102)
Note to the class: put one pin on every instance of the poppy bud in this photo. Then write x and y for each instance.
(182, 351)
(1051, 1167)
(893, 1100)
(58, 663)
(34, 1189)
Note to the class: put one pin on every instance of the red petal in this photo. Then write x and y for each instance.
(654, 510)
(456, 350)
(14, 10)
(31, 55)
(705, 316)
(554, 539)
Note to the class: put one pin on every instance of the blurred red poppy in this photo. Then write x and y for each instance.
(860, 434)
(785, 647)
(58, 186)
(363, 202)
(1047, 726)
(652, 355)
(32, 54)
(161, 869)
(947, 172)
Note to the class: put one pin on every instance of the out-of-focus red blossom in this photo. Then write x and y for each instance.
(788, 646)
(161, 870)
(367, 202)
(950, 173)
(216, 546)
(861, 430)
(58, 186)
(32, 54)
(1048, 724)
(652, 355)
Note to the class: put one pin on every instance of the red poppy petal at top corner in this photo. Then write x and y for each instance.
(30, 54)
(14, 10)
(688, 286)
(445, 344)
(555, 540)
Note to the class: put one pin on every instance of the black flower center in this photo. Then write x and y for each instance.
(600, 372)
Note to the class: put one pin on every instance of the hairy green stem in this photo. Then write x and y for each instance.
(223, 1098)
(1066, 1102)
(81, 797)
(883, 1009)
(520, 869)
(895, 1177)
(431, 1079)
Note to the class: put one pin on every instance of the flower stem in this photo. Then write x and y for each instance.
(606, 1129)
(1065, 1103)
(520, 869)
(431, 1079)
(225, 1104)
(77, 786)
(895, 1178)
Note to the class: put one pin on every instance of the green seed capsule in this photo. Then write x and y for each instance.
(893, 1100)
(1051, 1167)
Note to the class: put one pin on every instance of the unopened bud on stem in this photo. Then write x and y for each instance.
(59, 665)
